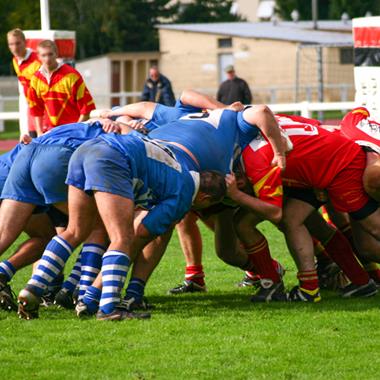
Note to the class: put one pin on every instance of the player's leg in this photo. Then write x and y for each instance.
(40, 230)
(191, 243)
(340, 250)
(300, 245)
(256, 246)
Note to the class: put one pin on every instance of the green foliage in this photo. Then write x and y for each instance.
(328, 9)
(217, 335)
(200, 11)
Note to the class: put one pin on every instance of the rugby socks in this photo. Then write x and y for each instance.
(340, 250)
(115, 265)
(72, 281)
(7, 270)
(91, 264)
(136, 288)
(276, 265)
(194, 273)
(373, 271)
(56, 253)
(308, 279)
(261, 260)
(91, 298)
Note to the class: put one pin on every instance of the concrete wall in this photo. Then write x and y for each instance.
(190, 60)
(96, 74)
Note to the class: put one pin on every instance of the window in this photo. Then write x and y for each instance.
(225, 42)
(346, 56)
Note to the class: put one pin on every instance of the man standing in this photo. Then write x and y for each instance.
(59, 90)
(158, 88)
(234, 89)
(25, 63)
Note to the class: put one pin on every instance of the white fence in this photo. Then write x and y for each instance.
(304, 108)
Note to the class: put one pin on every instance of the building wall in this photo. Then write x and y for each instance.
(96, 74)
(190, 60)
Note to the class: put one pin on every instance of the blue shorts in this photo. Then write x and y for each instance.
(96, 166)
(38, 175)
(4, 172)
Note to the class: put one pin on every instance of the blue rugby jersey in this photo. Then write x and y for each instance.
(215, 138)
(163, 181)
(164, 114)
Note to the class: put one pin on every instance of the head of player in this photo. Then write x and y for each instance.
(212, 189)
(16, 43)
(47, 54)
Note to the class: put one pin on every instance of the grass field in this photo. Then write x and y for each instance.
(218, 335)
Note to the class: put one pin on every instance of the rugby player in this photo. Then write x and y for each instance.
(319, 160)
(127, 171)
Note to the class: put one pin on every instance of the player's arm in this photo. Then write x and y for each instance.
(265, 210)
(140, 110)
(203, 101)
(37, 108)
(84, 100)
(263, 118)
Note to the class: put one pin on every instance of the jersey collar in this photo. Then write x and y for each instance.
(26, 57)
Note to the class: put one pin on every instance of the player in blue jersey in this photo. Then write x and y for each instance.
(35, 179)
(214, 139)
(40, 230)
(122, 172)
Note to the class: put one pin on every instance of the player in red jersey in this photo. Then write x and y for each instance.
(59, 90)
(25, 63)
(319, 160)
(358, 126)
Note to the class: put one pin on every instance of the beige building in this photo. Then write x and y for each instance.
(281, 62)
(110, 76)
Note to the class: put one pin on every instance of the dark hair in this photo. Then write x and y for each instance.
(213, 184)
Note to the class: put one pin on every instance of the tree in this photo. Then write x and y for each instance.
(207, 11)
(354, 8)
(285, 8)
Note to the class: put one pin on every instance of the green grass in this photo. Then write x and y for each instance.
(218, 335)
(11, 131)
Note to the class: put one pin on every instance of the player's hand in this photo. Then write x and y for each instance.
(232, 188)
(110, 126)
(25, 139)
(105, 114)
(279, 160)
(137, 125)
(236, 106)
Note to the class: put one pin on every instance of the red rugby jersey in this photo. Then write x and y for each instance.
(26, 68)
(64, 97)
(358, 127)
(317, 157)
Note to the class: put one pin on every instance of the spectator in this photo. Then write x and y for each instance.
(234, 89)
(58, 89)
(158, 88)
(25, 63)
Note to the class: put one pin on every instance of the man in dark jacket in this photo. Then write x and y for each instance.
(158, 88)
(234, 89)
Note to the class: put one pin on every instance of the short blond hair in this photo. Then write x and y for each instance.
(48, 44)
(17, 32)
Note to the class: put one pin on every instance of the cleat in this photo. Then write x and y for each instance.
(8, 299)
(28, 304)
(188, 287)
(331, 277)
(366, 290)
(120, 315)
(298, 294)
(249, 281)
(83, 311)
(130, 304)
(252, 279)
(51, 291)
(270, 291)
(65, 299)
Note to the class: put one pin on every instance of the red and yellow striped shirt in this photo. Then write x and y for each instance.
(64, 96)
(26, 68)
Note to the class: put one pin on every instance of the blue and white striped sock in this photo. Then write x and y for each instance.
(7, 269)
(91, 264)
(135, 289)
(114, 272)
(91, 298)
(54, 258)
(73, 279)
